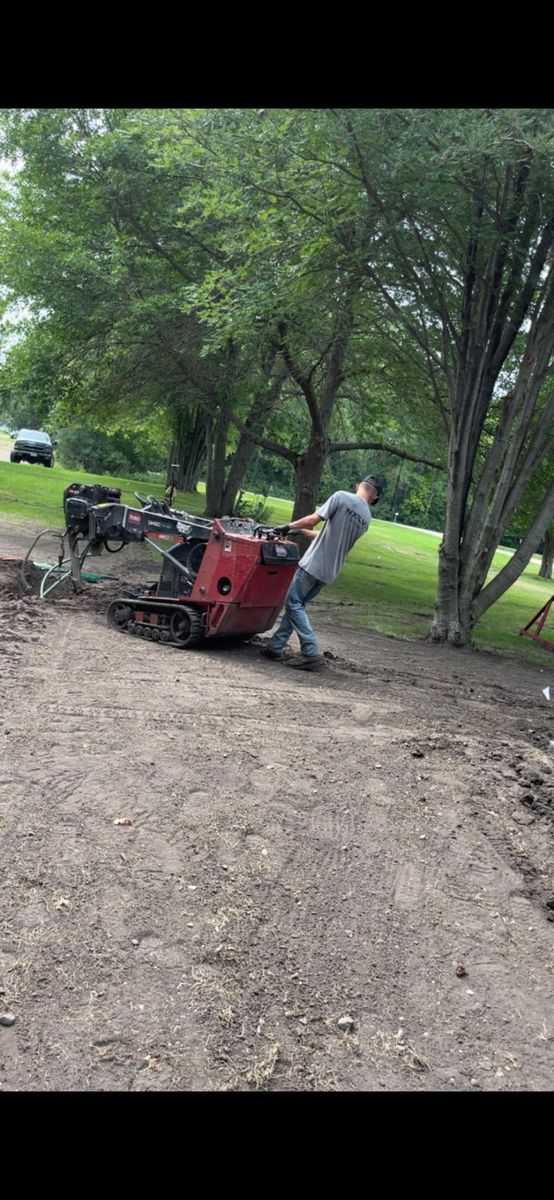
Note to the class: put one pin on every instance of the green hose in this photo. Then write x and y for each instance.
(89, 576)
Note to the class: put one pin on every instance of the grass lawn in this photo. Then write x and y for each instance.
(36, 493)
(389, 578)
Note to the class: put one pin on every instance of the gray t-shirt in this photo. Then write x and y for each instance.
(346, 517)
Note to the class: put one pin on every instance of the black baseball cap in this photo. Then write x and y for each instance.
(374, 483)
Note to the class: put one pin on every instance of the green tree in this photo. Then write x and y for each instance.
(463, 203)
(93, 239)
(446, 217)
(282, 274)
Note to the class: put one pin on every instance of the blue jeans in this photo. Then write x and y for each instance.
(303, 588)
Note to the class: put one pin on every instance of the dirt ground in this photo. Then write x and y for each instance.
(333, 882)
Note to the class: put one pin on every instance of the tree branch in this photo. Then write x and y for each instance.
(334, 447)
(304, 382)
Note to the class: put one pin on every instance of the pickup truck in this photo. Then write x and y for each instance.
(32, 446)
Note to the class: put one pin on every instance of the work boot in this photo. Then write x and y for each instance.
(274, 655)
(311, 662)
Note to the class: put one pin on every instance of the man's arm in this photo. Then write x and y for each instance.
(306, 522)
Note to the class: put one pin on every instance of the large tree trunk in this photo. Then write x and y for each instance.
(216, 447)
(452, 620)
(308, 471)
(188, 451)
(309, 466)
(244, 452)
(308, 474)
(241, 461)
(545, 571)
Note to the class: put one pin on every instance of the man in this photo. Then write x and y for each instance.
(347, 517)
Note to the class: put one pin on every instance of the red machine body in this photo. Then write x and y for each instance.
(222, 578)
(242, 582)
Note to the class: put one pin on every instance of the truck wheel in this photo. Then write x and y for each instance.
(14, 457)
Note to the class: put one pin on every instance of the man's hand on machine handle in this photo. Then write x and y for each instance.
(281, 530)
